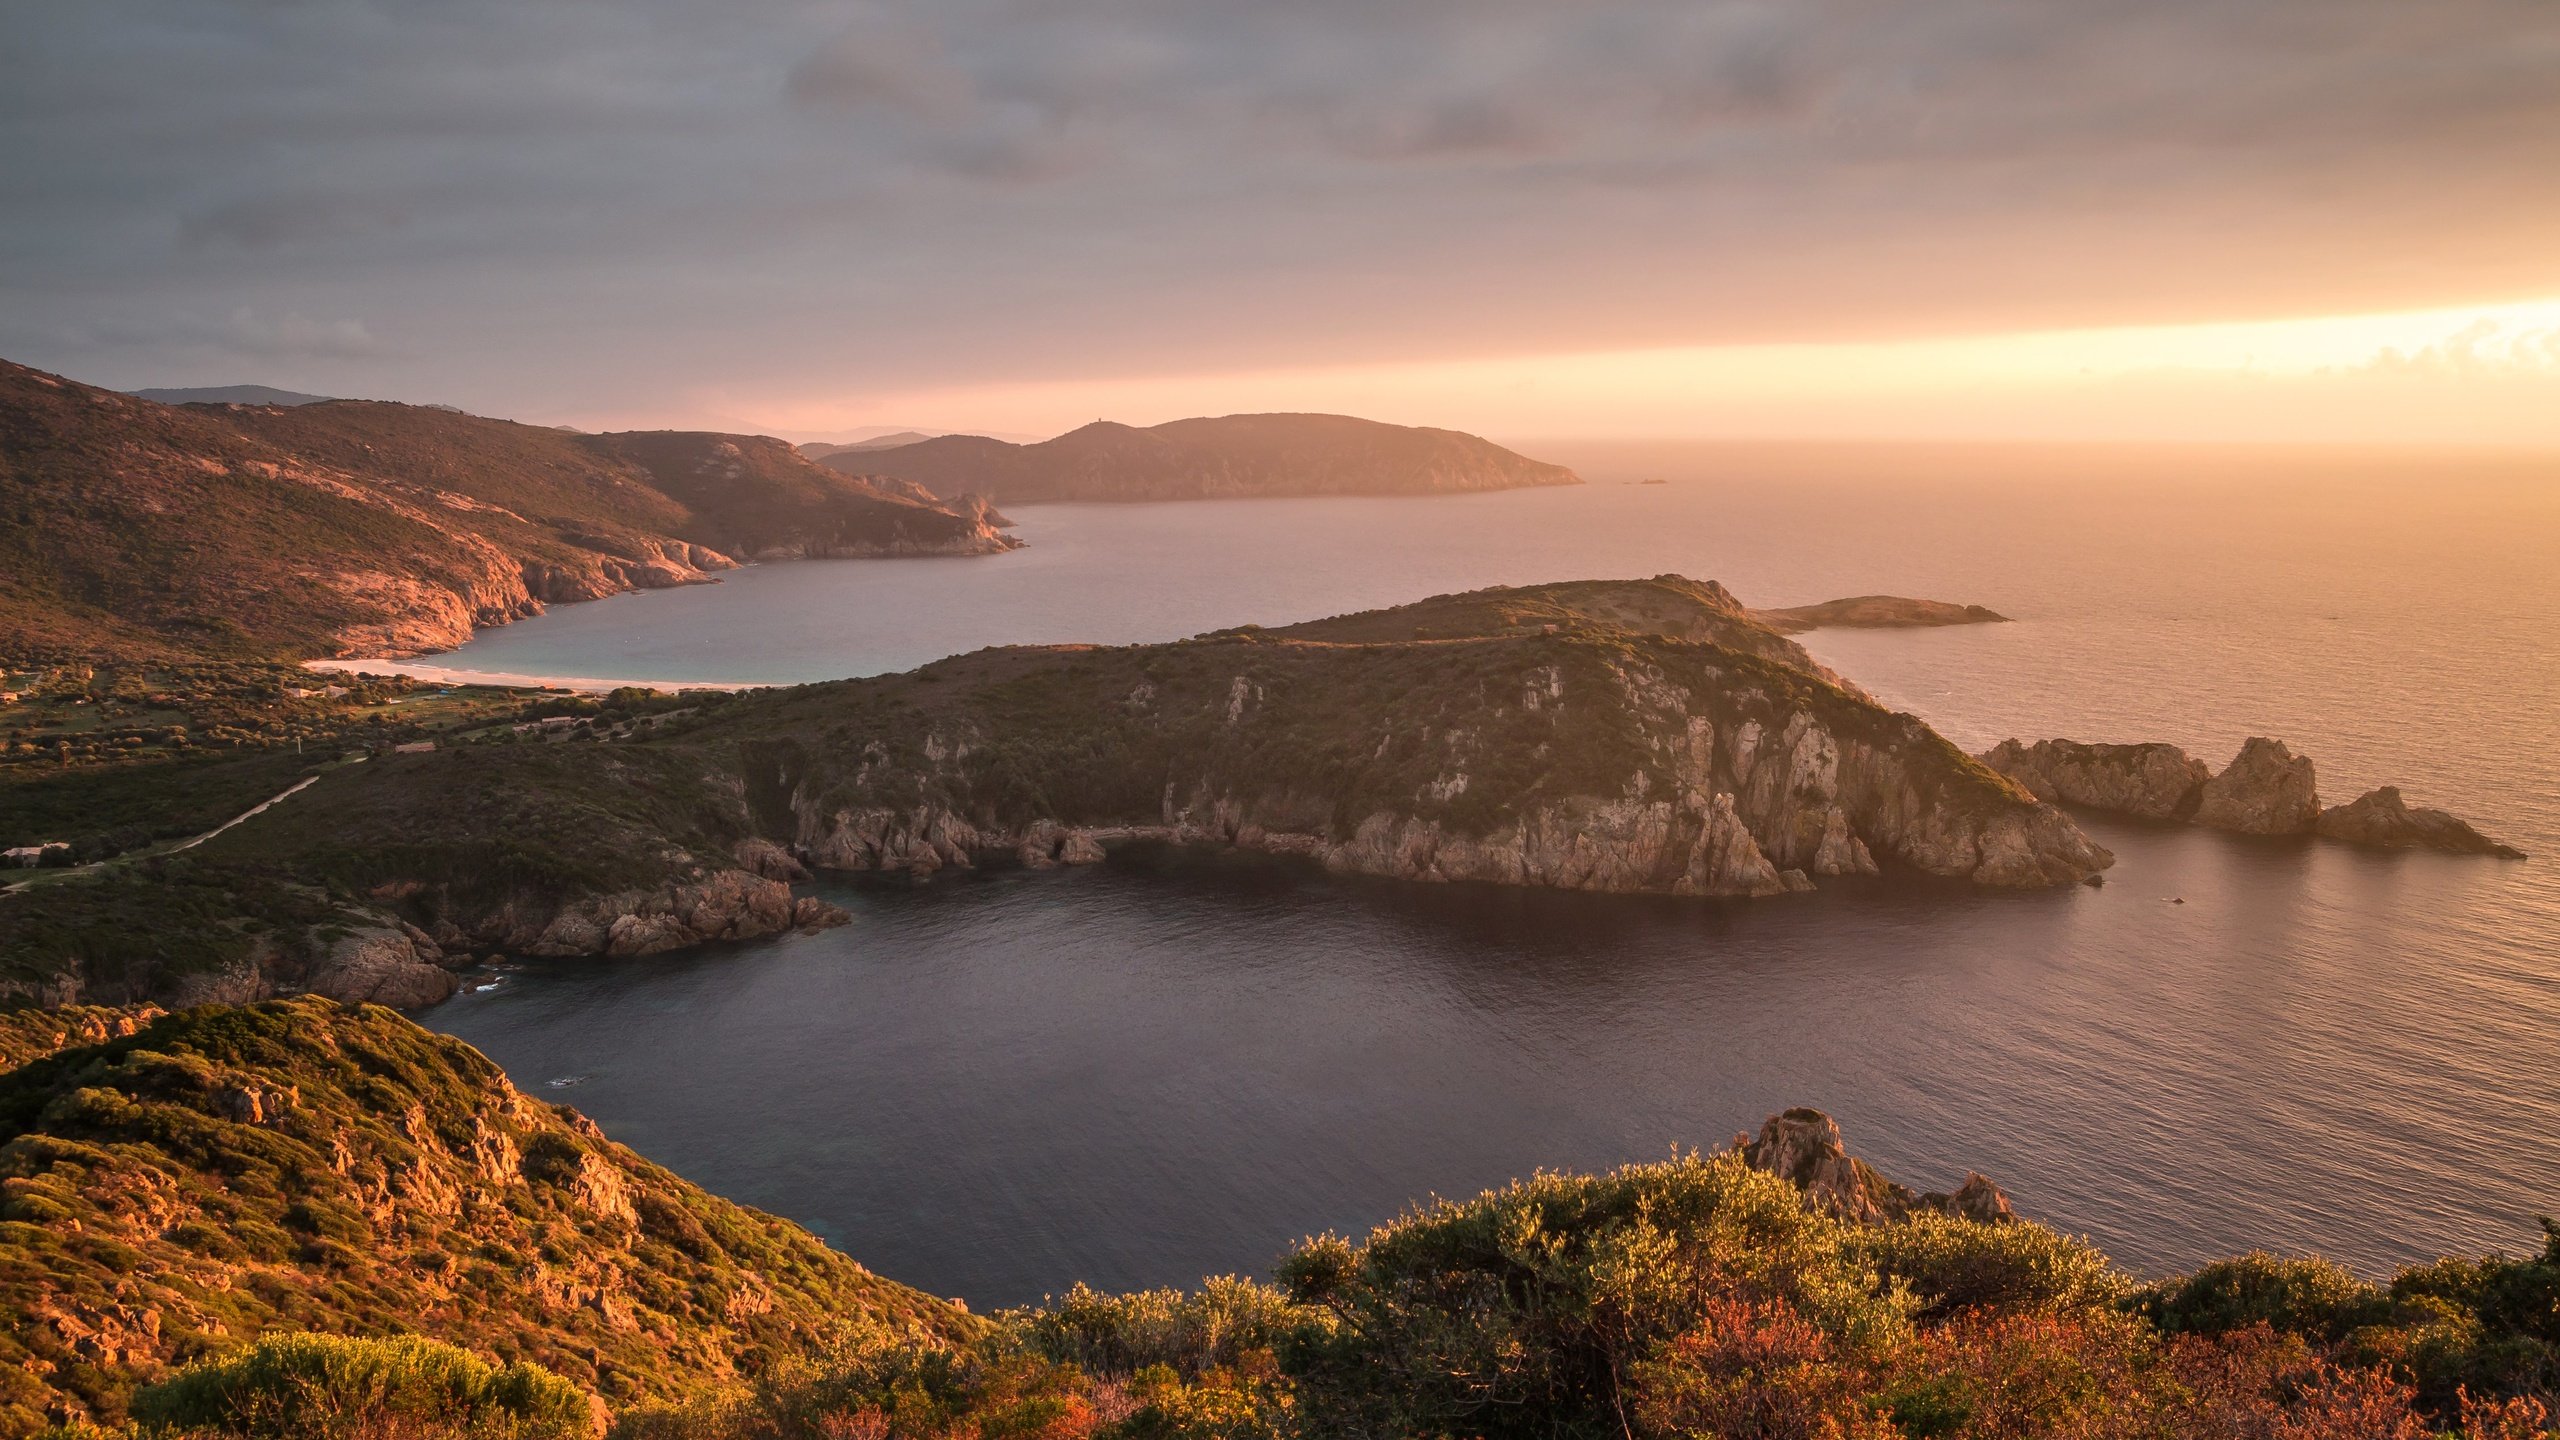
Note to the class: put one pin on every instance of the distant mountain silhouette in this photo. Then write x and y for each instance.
(229, 395)
(1227, 457)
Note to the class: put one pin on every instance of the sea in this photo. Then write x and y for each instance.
(1179, 1063)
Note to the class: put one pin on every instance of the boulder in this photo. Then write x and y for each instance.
(2266, 790)
(763, 857)
(2148, 782)
(2382, 819)
(381, 965)
(1803, 1147)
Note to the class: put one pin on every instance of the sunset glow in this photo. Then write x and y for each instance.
(2486, 374)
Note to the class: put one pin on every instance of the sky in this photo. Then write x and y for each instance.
(2040, 219)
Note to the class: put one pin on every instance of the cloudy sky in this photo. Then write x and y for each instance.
(2278, 218)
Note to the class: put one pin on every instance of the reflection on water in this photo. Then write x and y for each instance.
(996, 1085)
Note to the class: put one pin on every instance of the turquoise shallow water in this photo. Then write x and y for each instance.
(1174, 1064)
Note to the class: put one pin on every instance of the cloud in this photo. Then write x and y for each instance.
(563, 202)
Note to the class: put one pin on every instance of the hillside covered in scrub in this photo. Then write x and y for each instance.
(299, 1219)
(175, 1189)
(1572, 736)
(131, 529)
(1225, 457)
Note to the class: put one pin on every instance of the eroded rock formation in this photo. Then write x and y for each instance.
(1803, 1147)
(2150, 782)
(2265, 790)
(2381, 819)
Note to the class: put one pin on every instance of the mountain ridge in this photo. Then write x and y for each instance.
(351, 528)
(1222, 457)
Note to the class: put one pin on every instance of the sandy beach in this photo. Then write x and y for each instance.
(448, 675)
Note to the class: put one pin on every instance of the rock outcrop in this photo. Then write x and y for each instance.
(1803, 1147)
(383, 965)
(1734, 776)
(2381, 819)
(2150, 782)
(1877, 612)
(2265, 790)
(717, 905)
(360, 529)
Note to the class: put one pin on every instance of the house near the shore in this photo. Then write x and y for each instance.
(28, 857)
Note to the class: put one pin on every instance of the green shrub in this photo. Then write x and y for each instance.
(1950, 1265)
(1226, 1320)
(329, 1387)
(2308, 1297)
(1524, 1311)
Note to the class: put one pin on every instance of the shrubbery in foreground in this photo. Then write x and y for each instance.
(1697, 1297)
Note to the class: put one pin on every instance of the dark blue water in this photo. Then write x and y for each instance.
(1175, 1064)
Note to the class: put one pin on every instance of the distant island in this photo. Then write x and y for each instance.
(342, 528)
(1877, 612)
(229, 395)
(1231, 457)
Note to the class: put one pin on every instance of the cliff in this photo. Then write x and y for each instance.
(181, 1187)
(1205, 459)
(1571, 736)
(2265, 790)
(354, 528)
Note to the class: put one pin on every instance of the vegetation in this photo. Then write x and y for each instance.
(188, 1203)
(105, 758)
(302, 1166)
(1195, 459)
(145, 532)
(329, 1387)
(537, 803)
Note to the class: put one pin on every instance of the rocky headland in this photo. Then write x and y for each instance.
(346, 528)
(2265, 790)
(1571, 736)
(1877, 612)
(1203, 459)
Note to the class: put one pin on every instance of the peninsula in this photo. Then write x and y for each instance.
(1227, 457)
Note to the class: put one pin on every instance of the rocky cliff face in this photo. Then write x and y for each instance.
(2150, 782)
(1803, 1147)
(2265, 790)
(723, 904)
(360, 529)
(1613, 766)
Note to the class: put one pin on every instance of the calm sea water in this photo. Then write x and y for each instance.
(1172, 1065)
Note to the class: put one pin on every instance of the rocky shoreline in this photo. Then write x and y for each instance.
(2265, 790)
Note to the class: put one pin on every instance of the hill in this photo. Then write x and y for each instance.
(133, 530)
(1608, 754)
(1224, 458)
(229, 395)
(210, 1187)
(302, 1165)
(756, 498)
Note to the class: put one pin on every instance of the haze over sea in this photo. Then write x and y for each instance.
(1174, 1064)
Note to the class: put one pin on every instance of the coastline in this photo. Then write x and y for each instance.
(511, 680)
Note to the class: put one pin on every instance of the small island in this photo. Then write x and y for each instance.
(1876, 612)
